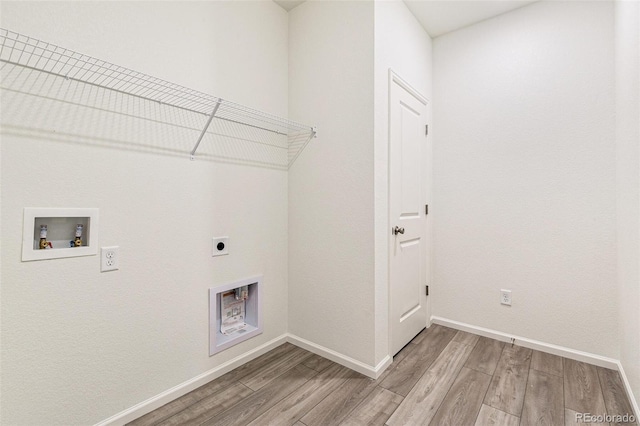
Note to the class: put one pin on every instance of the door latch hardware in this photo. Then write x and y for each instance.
(397, 230)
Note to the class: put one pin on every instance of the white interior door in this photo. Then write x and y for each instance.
(407, 196)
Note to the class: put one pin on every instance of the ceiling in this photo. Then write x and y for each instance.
(288, 4)
(442, 16)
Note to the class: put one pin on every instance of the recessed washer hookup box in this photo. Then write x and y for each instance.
(235, 313)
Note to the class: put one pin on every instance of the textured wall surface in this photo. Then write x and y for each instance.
(402, 45)
(331, 220)
(524, 172)
(525, 191)
(79, 346)
(627, 19)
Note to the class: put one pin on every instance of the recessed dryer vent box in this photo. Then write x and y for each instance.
(250, 309)
(61, 224)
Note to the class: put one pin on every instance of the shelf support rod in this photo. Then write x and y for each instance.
(206, 127)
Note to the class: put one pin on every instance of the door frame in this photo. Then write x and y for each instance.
(395, 78)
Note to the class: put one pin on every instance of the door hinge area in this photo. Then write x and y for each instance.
(426, 129)
(427, 289)
(426, 209)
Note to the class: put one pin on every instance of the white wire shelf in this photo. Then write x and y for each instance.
(59, 76)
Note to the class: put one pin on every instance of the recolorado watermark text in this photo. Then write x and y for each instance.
(604, 418)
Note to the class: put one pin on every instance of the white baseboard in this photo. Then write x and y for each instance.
(175, 392)
(354, 364)
(627, 386)
(587, 357)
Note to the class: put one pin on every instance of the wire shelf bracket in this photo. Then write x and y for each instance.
(204, 130)
(39, 69)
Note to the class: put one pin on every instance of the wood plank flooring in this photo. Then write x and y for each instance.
(443, 377)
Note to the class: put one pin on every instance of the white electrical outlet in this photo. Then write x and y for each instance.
(220, 246)
(109, 260)
(505, 297)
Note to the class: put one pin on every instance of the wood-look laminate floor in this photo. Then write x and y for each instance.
(443, 377)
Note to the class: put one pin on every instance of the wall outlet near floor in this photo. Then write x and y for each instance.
(505, 297)
(109, 259)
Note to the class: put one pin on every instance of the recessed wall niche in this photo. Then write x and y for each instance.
(248, 318)
(53, 233)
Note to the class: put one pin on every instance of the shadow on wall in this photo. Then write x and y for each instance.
(44, 106)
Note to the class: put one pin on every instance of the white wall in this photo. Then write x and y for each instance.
(331, 218)
(78, 345)
(524, 171)
(404, 46)
(627, 61)
(525, 177)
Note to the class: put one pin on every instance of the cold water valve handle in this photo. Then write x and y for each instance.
(77, 241)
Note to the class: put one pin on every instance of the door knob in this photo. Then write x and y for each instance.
(397, 230)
